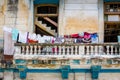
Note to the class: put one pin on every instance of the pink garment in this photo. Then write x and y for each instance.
(87, 35)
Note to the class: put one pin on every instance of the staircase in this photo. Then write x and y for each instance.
(46, 19)
(45, 28)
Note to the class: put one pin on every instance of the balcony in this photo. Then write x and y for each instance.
(66, 51)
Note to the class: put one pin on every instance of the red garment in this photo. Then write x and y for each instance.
(66, 36)
(32, 41)
(74, 35)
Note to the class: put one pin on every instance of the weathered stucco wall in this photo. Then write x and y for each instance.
(76, 76)
(2, 16)
(22, 18)
(57, 76)
(80, 16)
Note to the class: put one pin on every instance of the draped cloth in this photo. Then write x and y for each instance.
(8, 43)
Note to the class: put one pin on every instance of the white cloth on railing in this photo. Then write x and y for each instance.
(23, 37)
(38, 37)
(32, 36)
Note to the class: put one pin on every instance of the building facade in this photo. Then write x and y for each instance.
(63, 17)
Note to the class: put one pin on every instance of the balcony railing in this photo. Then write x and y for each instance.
(71, 51)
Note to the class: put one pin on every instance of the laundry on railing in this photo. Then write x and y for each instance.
(27, 37)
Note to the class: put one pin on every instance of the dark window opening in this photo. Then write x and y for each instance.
(47, 10)
(112, 21)
(48, 15)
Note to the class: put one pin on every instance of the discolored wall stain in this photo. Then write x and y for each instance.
(8, 15)
(80, 16)
(76, 24)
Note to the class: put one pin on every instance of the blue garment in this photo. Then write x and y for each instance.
(94, 38)
(14, 34)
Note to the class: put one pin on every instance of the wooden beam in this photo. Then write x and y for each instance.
(46, 15)
(51, 21)
(43, 28)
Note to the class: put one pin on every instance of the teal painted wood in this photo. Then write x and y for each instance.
(65, 71)
(79, 70)
(111, 0)
(95, 70)
(23, 74)
(46, 2)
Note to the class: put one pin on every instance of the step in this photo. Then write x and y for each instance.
(8, 75)
(48, 28)
(40, 22)
(45, 25)
(53, 31)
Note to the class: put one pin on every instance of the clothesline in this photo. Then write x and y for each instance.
(27, 37)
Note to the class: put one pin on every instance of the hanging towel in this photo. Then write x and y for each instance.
(14, 34)
(23, 37)
(8, 43)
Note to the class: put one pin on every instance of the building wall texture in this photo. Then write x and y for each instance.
(80, 16)
(76, 76)
(16, 15)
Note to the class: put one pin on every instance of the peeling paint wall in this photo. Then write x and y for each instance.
(80, 16)
(20, 18)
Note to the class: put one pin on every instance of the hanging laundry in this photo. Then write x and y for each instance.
(58, 40)
(74, 35)
(15, 33)
(94, 38)
(23, 37)
(81, 34)
(79, 40)
(8, 43)
(32, 38)
(87, 37)
(7, 29)
(38, 38)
